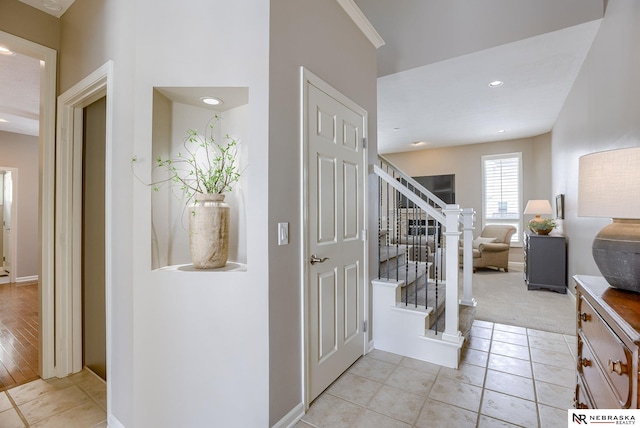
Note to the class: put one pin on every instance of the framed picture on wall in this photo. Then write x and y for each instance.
(560, 207)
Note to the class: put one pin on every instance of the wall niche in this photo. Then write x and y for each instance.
(175, 111)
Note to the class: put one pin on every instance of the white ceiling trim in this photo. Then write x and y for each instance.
(362, 22)
(55, 8)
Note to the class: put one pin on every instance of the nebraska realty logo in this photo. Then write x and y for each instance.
(600, 417)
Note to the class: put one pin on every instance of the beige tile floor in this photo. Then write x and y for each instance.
(78, 401)
(509, 377)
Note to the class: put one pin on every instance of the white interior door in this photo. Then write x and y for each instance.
(7, 219)
(335, 166)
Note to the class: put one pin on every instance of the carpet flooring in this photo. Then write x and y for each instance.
(503, 297)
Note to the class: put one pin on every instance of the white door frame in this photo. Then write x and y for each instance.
(48, 58)
(308, 77)
(69, 218)
(12, 245)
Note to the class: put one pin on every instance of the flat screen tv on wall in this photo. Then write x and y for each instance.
(443, 186)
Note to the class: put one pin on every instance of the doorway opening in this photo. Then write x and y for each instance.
(93, 239)
(8, 218)
(83, 168)
(44, 337)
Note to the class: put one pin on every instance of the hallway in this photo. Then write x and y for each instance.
(26, 400)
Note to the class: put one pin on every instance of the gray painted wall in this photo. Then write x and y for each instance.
(24, 21)
(21, 152)
(602, 112)
(320, 36)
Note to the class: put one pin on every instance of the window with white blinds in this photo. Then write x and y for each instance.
(502, 191)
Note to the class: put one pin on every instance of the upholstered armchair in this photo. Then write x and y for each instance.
(491, 248)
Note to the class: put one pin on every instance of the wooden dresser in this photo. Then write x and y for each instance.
(608, 329)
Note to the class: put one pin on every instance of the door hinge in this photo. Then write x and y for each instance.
(364, 142)
(364, 325)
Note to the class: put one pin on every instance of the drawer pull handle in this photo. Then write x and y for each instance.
(585, 362)
(617, 367)
(585, 316)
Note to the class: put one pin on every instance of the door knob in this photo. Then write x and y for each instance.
(315, 259)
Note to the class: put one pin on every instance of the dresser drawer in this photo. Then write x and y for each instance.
(603, 395)
(608, 351)
(581, 397)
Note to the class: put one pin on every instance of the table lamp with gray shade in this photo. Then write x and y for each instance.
(609, 186)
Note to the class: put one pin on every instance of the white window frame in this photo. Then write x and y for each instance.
(516, 239)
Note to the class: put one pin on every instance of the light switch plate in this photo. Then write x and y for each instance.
(283, 233)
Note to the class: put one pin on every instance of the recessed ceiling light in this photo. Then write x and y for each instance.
(418, 143)
(5, 51)
(52, 5)
(396, 129)
(4, 121)
(502, 131)
(212, 101)
(496, 83)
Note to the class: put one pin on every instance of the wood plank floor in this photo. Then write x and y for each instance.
(18, 334)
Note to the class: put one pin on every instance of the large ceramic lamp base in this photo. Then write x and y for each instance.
(616, 251)
(535, 226)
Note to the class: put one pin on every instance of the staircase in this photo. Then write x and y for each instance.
(417, 289)
(416, 309)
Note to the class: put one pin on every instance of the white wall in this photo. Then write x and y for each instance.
(92, 33)
(601, 113)
(201, 338)
(21, 152)
(189, 348)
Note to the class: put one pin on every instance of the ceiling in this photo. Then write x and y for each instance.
(439, 57)
(434, 69)
(231, 97)
(20, 94)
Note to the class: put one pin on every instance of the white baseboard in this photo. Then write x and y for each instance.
(26, 279)
(113, 422)
(370, 346)
(291, 418)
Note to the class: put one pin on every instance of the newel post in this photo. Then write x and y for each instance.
(468, 218)
(452, 235)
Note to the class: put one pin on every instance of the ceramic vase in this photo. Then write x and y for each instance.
(209, 231)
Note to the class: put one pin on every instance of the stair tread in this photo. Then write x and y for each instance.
(406, 272)
(388, 252)
(430, 299)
